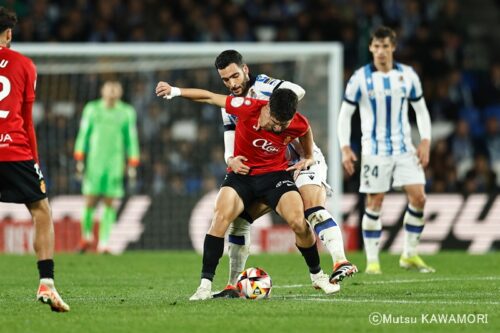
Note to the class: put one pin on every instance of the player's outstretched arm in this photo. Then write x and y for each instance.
(165, 90)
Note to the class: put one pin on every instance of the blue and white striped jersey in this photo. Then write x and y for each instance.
(383, 105)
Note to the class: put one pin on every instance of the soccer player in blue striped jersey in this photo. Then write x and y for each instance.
(382, 90)
(312, 184)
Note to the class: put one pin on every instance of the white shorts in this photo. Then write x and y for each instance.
(378, 172)
(316, 174)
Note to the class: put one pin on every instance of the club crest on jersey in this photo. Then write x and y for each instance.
(236, 102)
(247, 102)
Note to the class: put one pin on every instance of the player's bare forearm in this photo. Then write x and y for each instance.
(165, 90)
(307, 142)
(307, 145)
(204, 96)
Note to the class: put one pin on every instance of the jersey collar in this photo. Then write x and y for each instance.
(374, 69)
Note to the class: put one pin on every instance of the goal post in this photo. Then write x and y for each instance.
(69, 75)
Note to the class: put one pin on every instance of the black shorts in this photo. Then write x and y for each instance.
(21, 182)
(269, 187)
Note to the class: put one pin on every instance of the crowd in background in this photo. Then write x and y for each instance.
(459, 72)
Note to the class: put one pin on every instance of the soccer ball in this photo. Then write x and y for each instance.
(254, 283)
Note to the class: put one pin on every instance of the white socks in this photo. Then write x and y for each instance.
(372, 230)
(239, 248)
(413, 224)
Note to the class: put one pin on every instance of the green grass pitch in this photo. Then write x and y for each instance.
(149, 291)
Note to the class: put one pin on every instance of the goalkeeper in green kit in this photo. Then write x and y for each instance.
(107, 133)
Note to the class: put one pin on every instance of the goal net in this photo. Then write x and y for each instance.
(181, 142)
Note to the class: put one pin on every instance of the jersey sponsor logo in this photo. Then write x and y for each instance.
(265, 145)
(237, 102)
(397, 93)
(5, 137)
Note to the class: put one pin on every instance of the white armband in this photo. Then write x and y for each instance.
(174, 92)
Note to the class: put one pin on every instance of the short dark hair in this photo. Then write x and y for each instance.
(383, 32)
(8, 19)
(227, 58)
(283, 104)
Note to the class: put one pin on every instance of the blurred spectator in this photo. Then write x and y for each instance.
(480, 178)
(489, 94)
(462, 147)
(492, 139)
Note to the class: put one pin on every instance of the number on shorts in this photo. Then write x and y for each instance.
(366, 171)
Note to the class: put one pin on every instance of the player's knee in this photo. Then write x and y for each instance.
(220, 223)
(375, 201)
(418, 200)
(298, 224)
(40, 209)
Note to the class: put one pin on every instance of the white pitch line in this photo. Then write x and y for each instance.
(479, 278)
(390, 301)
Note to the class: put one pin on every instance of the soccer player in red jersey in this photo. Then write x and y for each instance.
(21, 180)
(263, 132)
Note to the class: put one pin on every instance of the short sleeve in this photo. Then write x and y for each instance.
(416, 91)
(353, 89)
(243, 107)
(228, 120)
(265, 85)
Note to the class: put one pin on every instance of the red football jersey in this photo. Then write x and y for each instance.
(264, 150)
(17, 87)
